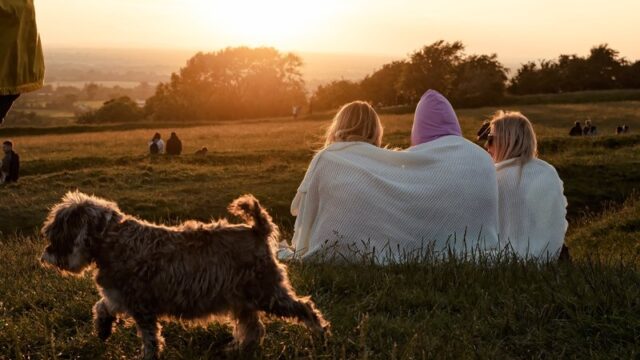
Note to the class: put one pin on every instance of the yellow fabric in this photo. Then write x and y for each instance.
(21, 59)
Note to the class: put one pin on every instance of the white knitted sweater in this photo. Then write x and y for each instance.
(357, 198)
(532, 208)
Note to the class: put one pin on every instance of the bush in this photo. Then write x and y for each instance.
(122, 109)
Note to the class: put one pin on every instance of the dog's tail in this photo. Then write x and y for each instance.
(248, 208)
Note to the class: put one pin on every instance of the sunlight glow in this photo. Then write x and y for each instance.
(281, 23)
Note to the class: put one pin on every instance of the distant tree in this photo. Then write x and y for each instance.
(122, 109)
(229, 84)
(532, 78)
(630, 76)
(432, 67)
(383, 87)
(336, 94)
(91, 89)
(604, 68)
(570, 72)
(480, 80)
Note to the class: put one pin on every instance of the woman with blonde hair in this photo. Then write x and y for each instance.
(532, 206)
(356, 121)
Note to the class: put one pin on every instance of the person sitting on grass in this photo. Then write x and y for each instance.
(361, 202)
(589, 129)
(533, 207)
(174, 145)
(156, 145)
(10, 170)
(576, 130)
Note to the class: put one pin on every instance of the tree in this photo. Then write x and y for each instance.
(630, 77)
(92, 90)
(336, 94)
(534, 79)
(604, 68)
(229, 84)
(383, 87)
(121, 109)
(480, 80)
(432, 67)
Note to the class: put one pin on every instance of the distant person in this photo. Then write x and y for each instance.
(203, 151)
(21, 59)
(294, 112)
(593, 131)
(625, 129)
(619, 130)
(174, 145)
(532, 206)
(588, 129)
(576, 130)
(156, 145)
(10, 171)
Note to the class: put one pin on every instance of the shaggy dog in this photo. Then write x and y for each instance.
(194, 272)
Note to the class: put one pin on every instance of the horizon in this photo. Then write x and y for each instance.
(362, 28)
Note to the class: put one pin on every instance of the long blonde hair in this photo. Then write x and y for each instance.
(513, 137)
(356, 121)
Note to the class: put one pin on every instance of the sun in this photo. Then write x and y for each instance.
(280, 23)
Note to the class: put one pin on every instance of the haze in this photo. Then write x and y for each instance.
(516, 30)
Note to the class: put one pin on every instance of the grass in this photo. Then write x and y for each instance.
(452, 309)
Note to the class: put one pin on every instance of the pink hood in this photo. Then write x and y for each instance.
(434, 119)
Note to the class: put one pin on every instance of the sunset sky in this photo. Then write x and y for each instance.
(515, 29)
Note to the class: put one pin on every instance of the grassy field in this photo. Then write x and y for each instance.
(588, 309)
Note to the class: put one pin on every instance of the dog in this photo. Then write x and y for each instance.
(195, 271)
(203, 151)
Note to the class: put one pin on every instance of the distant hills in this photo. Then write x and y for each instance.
(67, 66)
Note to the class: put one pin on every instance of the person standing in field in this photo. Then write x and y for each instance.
(294, 112)
(532, 206)
(156, 145)
(10, 170)
(21, 57)
(174, 145)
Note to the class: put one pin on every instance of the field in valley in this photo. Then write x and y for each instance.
(588, 309)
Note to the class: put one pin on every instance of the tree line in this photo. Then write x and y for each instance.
(478, 80)
(247, 82)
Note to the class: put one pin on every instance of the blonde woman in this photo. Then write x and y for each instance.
(532, 206)
(359, 201)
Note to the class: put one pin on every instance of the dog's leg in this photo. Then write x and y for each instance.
(286, 304)
(103, 319)
(149, 330)
(249, 330)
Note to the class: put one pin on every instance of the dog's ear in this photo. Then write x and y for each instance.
(98, 224)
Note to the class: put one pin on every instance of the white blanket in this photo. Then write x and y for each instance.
(357, 199)
(532, 208)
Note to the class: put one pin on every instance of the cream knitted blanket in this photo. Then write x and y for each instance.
(532, 208)
(360, 200)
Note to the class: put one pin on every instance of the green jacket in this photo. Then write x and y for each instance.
(21, 59)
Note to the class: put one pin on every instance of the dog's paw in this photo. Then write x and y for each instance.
(104, 327)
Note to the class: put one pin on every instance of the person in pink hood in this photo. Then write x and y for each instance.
(434, 119)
